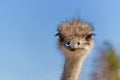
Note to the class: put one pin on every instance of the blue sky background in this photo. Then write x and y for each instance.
(28, 48)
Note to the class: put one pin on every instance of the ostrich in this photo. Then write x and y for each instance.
(75, 41)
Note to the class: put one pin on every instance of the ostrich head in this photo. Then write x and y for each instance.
(75, 36)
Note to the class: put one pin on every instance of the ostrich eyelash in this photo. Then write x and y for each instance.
(56, 34)
(93, 34)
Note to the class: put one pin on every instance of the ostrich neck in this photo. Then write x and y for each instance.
(72, 68)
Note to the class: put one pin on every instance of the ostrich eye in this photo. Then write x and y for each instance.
(89, 36)
(67, 44)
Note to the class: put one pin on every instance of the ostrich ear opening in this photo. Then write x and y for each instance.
(57, 34)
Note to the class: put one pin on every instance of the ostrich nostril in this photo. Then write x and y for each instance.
(78, 43)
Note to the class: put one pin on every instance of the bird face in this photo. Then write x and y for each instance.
(78, 42)
(76, 36)
(74, 43)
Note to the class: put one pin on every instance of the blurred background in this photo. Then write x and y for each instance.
(28, 48)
